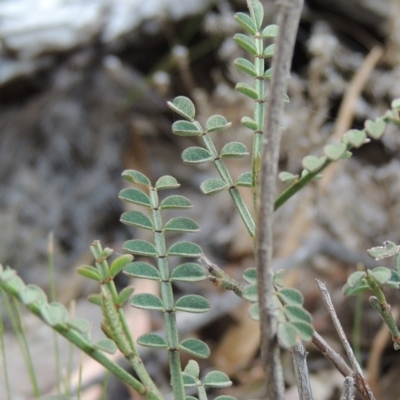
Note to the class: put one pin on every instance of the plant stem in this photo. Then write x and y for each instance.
(4, 360)
(167, 297)
(299, 355)
(348, 386)
(288, 20)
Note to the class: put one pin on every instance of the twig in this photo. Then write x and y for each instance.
(288, 20)
(299, 355)
(353, 361)
(348, 388)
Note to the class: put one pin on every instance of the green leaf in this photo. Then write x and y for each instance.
(256, 12)
(388, 249)
(288, 178)
(147, 301)
(287, 335)
(192, 368)
(268, 73)
(360, 287)
(225, 397)
(176, 202)
(135, 196)
(213, 186)
(140, 247)
(185, 249)
(136, 177)
(119, 264)
(250, 275)
(185, 128)
(124, 295)
(245, 66)
(181, 224)
(245, 180)
(297, 313)
(335, 151)
(217, 123)
(192, 303)
(290, 296)
(247, 90)
(191, 398)
(356, 137)
(183, 106)
(106, 345)
(217, 379)
(312, 163)
(381, 274)
(28, 295)
(269, 51)
(188, 380)
(246, 23)
(270, 31)
(142, 270)
(250, 293)
(89, 272)
(234, 150)
(246, 43)
(278, 277)
(355, 278)
(394, 281)
(249, 123)
(79, 324)
(395, 105)
(254, 312)
(167, 182)
(153, 340)
(304, 329)
(375, 128)
(8, 274)
(188, 272)
(95, 298)
(195, 347)
(54, 313)
(196, 155)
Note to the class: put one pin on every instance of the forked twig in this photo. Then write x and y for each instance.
(358, 374)
(348, 388)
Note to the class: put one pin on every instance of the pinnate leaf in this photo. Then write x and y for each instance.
(95, 298)
(381, 274)
(254, 312)
(290, 296)
(124, 295)
(106, 345)
(246, 23)
(356, 137)
(195, 347)
(188, 381)
(304, 329)
(312, 163)
(288, 178)
(135, 196)
(192, 368)
(152, 340)
(140, 247)
(250, 275)
(80, 325)
(185, 249)
(234, 149)
(167, 182)
(54, 313)
(196, 155)
(246, 43)
(217, 379)
(247, 90)
(287, 335)
(245, 180)
(245, 66)
(213, 186)
(188, 272)
(183, 106)
(89, 272)
(297, 313)
(335, 151)
(388, 249)
(192, 303)
(217, 123)
(256, 12)
(147, 301)
(176, 202)
(269, 51)
(270, 31)
(186, 128)
(142, 270)
(375, 128)
(119, 264)
(249, 123)
(250, 293)
(136, 177)
(181, 224)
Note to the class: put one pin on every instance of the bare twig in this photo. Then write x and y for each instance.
(348, 388)
(288, 20)
(353, 361)
(299, 355)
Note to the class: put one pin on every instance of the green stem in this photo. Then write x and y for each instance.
(167, 297)
(201, 391)
(4, 360)
(298, 185)
(233, 191)
(80, 342)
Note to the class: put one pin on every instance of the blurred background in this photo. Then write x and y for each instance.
(83, 92)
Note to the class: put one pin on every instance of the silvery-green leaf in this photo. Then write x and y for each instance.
(192, 303)
(217, 123)
(140, 247)
(188, 380)
(287, 335)
(181, 224)
(183, 106)
(106, 345)
(246, 23)
(288, 178)
(246, 43)
(297, 313)
(269, 51)
(186, 128)
(250, 275)
(147, 301)
(217, 379)
(250, 293)
(89, 272)
(152, 340)
(388, 249)
(79, 324)
(249, 123)
(247, 90)
(192, 368)
(196, 155)
(335, 151)
(213, 186)
(256, 12)
(167, 182)
(124, 295)
(270, 31)
(136, 177)
(234, 150)
(119, 264)
(245, 180)
(142, 270)
(381, 274)
(312, 163)
(395, 105)
(375, 128)
(176, 202)
(135, 196)
(290, 296)
(268, 73)
(188, 272)
(304, 329)
(138, 219)
(195, 347)
(254, 312)
(356, 137)
(185, 249)
(245, 66)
